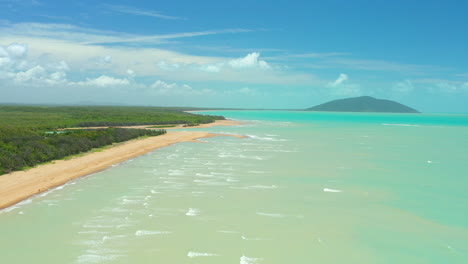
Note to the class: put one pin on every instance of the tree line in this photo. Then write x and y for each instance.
(22, 147)
(51, 117)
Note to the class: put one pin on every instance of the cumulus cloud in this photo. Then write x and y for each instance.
(170, 88)
(343, 87)
(249, 61)
(163, 88)
(104, 81)
(12, 56)
(15, 67)
(17, 51)
(38, 75)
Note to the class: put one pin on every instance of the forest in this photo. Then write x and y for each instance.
(30, 135)
(52, 117)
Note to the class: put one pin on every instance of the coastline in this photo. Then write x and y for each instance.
(20, 185)
(179, 126)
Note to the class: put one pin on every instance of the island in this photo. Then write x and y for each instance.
(363, 104)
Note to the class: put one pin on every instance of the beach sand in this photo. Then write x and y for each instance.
(179, 126)
(19, 185)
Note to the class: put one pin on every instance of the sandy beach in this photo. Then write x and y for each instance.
(19, 185)
(179, 126)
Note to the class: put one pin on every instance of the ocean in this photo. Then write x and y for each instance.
(304, 187)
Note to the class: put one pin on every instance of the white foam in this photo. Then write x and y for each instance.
(266, 138)
(331, 190)
(151, 232)
(176, 173)
(204, 175)
(192, 254)
(8, 209)
(128, 201)
(248, 260)
(98, 226)
(94, 258)
(271, 214)
(251, 238)
(261, 187)
(192, 212)
(258, 172)
(93, 232)
(106, 238)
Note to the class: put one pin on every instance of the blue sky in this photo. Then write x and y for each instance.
(252, 54)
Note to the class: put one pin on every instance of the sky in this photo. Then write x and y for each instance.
(234, 54)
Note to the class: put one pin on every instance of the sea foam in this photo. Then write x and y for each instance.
(331, 190)
(151, 232)
(248, 260)
(192, 212)
(192, 254)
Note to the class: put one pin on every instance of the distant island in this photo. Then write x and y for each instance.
(363, 104)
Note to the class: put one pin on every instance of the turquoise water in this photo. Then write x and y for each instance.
(303, 188)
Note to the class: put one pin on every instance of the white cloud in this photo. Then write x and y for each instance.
(341, 79)
(104, 81)
(17, 51)
(166, 88)
(168, 66)
(211, 68)
(49, 44)
(131, 73)
(58, 66)
(37, 76)
(3, 52)
(343, 87)
(249, 61)
(16, 67)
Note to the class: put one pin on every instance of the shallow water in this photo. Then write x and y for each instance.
(303, 188)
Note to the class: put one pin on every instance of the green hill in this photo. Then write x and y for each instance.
(363, 104)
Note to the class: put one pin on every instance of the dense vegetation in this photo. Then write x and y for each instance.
(363, 104)
(29, 134)
(25, 148)
(51, 117)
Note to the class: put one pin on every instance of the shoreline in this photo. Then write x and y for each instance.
(20, 185)
(176, 126)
